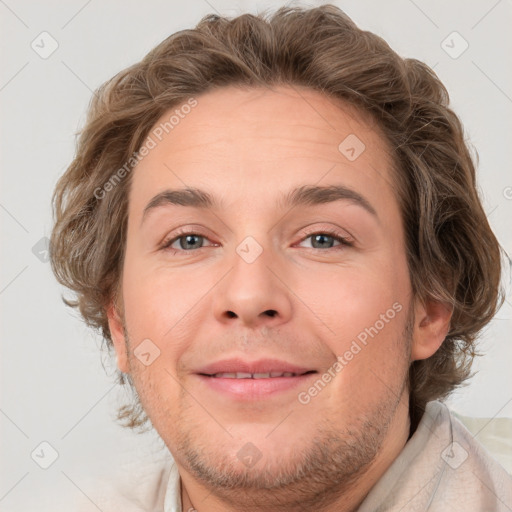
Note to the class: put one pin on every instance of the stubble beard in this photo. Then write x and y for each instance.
(312, 478)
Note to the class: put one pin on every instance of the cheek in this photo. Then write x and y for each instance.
(351, 299)
(158, 391)
(164, 309)
(157, 299)
(363, 310)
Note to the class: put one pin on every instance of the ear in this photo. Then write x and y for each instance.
(115, 325)
(431, 325)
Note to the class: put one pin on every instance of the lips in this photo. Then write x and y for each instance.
(244, 375)
(261, 369)
(242, 381)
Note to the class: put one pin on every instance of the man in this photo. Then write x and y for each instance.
(275, 225)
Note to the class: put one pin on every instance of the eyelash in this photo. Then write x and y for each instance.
(344, 241)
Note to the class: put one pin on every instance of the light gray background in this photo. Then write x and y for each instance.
(53, 385)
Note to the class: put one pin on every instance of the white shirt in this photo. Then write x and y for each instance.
(441, 468)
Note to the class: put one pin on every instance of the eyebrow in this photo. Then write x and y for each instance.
(301, 196)
(313, 195)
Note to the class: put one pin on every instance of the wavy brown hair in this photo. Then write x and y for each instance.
(453, 255)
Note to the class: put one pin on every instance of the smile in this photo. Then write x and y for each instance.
(244, 387)
(245, 375)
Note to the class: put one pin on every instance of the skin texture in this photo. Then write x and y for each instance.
(200, 305)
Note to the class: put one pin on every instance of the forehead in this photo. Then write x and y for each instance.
(252, 142)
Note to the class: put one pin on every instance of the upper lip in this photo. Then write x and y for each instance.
(260, 366)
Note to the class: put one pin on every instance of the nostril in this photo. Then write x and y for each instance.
(231, 314)
(271, 312)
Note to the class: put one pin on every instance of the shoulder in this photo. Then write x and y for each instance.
(472, 475)
(442, 467)
(134, 488)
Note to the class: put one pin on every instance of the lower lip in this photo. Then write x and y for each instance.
(255, 389)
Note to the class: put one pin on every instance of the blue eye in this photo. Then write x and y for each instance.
(190, 240)
(321, 240)
(326, 239)
(187, 242)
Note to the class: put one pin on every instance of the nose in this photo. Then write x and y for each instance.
(253, 294)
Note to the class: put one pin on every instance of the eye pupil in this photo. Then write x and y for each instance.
(189, 239)
(321, 238)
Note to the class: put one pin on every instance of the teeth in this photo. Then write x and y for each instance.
(261, 375)
(244, 375)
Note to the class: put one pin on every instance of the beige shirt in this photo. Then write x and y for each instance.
(441, 468)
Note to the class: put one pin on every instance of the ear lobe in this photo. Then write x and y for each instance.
(115, 325)
(431, 325)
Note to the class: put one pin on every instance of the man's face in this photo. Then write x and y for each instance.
(256, 284)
